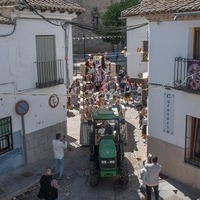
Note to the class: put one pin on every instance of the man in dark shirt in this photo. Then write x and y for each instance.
(48, 186)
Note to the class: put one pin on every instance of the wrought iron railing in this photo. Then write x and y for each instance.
(145, 56)
(187, 74)
(50, 73)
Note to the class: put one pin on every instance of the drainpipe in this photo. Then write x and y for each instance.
(66, 32)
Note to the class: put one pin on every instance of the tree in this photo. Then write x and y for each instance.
(112, 28)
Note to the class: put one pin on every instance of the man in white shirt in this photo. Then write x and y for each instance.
(59, 145)
(152, 177)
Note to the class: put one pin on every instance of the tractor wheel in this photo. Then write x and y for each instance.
(93, 176)
(124, 173)
(91, 146)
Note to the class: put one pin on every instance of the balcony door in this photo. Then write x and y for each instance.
(197, 43)
(46, 58)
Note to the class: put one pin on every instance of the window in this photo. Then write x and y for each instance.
(145, 51)
(192, 150)
(49, 70)
(95, 21)
(95, 17)
(197, 43)
(6, 141)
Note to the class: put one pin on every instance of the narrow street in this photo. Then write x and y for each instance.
(75, 185)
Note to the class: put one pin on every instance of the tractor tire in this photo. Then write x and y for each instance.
(93, 175)
(91, 146)
(124, 173)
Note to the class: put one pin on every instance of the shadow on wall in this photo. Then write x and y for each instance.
(14, 158)
(11, 160)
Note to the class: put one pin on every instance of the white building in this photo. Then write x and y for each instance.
(33, 78)
(137, 44)
(174, 85)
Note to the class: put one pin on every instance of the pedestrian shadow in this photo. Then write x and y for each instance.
(123, 191)
(73, 143)
(182, 188)
(70, 139)
(70, 114)
(131, 144)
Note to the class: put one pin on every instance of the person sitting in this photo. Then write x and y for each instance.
(101, 102)
(105, 129)
(119, 107)
(127, 92)
(91, 73)
(122, 85)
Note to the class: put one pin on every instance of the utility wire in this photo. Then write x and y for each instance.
(36, 12)
(9, 34)
(110, 29)
(113, 29)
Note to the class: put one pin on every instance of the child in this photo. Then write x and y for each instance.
(143, 172)
(142, 177)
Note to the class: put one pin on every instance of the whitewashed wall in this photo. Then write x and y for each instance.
(135, 40)
(18, 79)
(19, 74)
(167, 41)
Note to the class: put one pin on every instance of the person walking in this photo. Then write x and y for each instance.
(152, 177)
(59, 145)
(48, 186)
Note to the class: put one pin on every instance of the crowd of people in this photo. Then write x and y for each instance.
(100, 81)
(99, 87)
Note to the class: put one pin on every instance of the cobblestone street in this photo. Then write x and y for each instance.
(75, 185)
(75, 182)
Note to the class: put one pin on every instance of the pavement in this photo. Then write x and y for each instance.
(20, 180)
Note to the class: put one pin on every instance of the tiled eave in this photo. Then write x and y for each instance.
(169, 17)
(4, 20)
(149, 7)
(44, 5)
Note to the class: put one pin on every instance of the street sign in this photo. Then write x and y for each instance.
(22, 107)
(53, 100)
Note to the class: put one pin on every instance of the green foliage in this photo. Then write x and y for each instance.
(111, 24)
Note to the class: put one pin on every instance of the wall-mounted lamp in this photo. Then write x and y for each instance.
(175, 17)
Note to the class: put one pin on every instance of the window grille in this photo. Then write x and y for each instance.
(6, 139)
(192, 141)
(145, 51)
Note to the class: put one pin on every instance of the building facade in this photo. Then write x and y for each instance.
(174, 85)
(137, 47)
(85, 41)
(33, 78)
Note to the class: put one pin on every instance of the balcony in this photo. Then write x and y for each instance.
(50, 73)
(187, 75)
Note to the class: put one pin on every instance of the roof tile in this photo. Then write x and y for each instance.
(162, 7)
(4, 20)
(51, 5)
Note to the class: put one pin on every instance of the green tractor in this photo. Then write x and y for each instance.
(106, 145)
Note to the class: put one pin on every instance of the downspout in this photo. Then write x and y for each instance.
(66, 32)
(66, 35)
